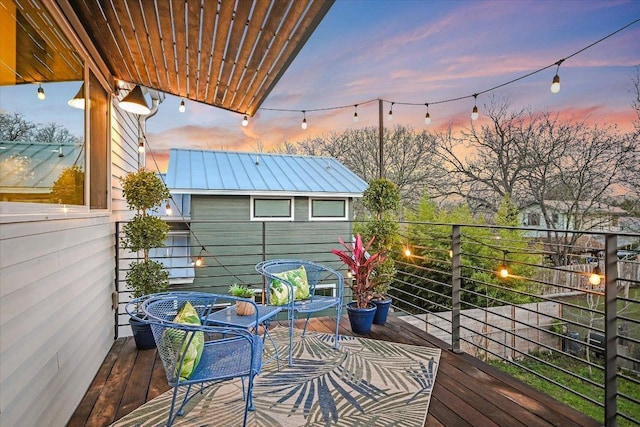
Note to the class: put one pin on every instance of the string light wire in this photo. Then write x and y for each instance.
(459, 98)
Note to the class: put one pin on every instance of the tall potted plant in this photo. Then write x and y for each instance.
(382, 199)
(144, 191)
(362, 266)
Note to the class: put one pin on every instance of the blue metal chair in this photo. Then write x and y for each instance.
(316, 274)
(227, 352)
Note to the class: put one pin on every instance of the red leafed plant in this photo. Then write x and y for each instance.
(362, 265)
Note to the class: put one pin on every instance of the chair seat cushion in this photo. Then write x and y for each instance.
(280, 292)
(191, 348)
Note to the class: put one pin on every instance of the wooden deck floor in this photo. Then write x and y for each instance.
(467, 392)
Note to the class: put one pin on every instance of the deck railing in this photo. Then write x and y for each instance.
(566, 312)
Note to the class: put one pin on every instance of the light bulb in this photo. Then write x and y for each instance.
(595, 279)
(141, 147)
(355, 116)
(407, 252)
(245, 121)
(304, 124)
(198, 262)
(427, 119)
(450, 253)
(390, 115)
(503, 271)
(41, 95)
(474, 113)
(168, 209)
(555, 86)
(182, 107)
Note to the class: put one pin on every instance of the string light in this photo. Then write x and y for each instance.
(427, 117)
(182, 107)
(390, 116)
(407, 251)
(596, 276)
(168, 209)
(245, 121)
(140, 146)
(503, 269)
(355, 114)
(199, 260)
(474, 112)
(304, 120)
(41, 95)
(555, 84)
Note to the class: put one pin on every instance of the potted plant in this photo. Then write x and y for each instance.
(144, 191)
(362, 266)
(243, 308)
(382, 199)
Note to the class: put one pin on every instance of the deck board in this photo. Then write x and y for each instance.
(467, 392)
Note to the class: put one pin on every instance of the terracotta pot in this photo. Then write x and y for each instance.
(244, 308)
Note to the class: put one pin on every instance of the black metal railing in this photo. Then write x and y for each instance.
(566, 310)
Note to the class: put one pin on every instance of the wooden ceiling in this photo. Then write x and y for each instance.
(225, 53)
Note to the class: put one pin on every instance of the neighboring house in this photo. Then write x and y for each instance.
(58, 274)
(561, 215)
(245, 195)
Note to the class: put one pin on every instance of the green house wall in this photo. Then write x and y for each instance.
(234, 244)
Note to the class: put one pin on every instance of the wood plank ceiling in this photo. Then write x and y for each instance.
(225, 53)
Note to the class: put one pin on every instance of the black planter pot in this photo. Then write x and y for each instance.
(361, 318)
(142, 334)
(382, 310)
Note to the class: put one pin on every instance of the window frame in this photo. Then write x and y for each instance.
(93, 67)
(253, 217)
(345, 217)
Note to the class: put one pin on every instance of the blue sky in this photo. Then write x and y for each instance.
(428, 51)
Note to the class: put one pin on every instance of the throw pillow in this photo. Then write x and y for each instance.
(297, 278)
(192, 350)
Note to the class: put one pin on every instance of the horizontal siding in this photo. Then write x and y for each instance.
(56, 319)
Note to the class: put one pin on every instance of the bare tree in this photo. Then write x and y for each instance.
(14, 127)
(536, 158)
(409, 157)
(53, 133)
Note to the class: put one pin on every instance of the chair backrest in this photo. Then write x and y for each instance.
(316, 273)
(174, 340)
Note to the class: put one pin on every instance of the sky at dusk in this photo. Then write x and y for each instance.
(424, 52)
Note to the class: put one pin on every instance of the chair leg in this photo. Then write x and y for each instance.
(291, 320)
(304, 331)
(184, 401)
(248, 405)
(336, 344)
(173, 405)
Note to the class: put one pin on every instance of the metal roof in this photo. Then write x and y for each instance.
(230, 172)
(225, 53)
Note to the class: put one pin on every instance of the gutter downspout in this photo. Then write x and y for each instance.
(142, 130)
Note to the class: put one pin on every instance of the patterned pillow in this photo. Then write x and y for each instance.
(280, 292)
(189, 316)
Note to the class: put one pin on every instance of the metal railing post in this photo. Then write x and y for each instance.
(456, 280)
(610, 329)
(117, 282)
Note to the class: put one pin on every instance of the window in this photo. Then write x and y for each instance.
(555, 218)
(533, 218)
(176, 257)
(263, 209)
(328, 209)
(44, 150)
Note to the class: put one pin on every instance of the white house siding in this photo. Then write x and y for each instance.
(56, 282)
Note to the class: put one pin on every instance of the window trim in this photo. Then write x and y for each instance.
(252, 216)
(345, 217)
(28, 211)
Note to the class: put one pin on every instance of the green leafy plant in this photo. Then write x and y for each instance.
(145, 191)
(382, 200)
(362, 265)
(241, 291)
(69, 187)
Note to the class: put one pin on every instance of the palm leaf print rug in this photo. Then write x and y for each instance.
(364, 383)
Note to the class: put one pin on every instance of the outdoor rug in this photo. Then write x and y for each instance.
(364, 383)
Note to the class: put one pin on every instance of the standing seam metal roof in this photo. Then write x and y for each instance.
(228, 172)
